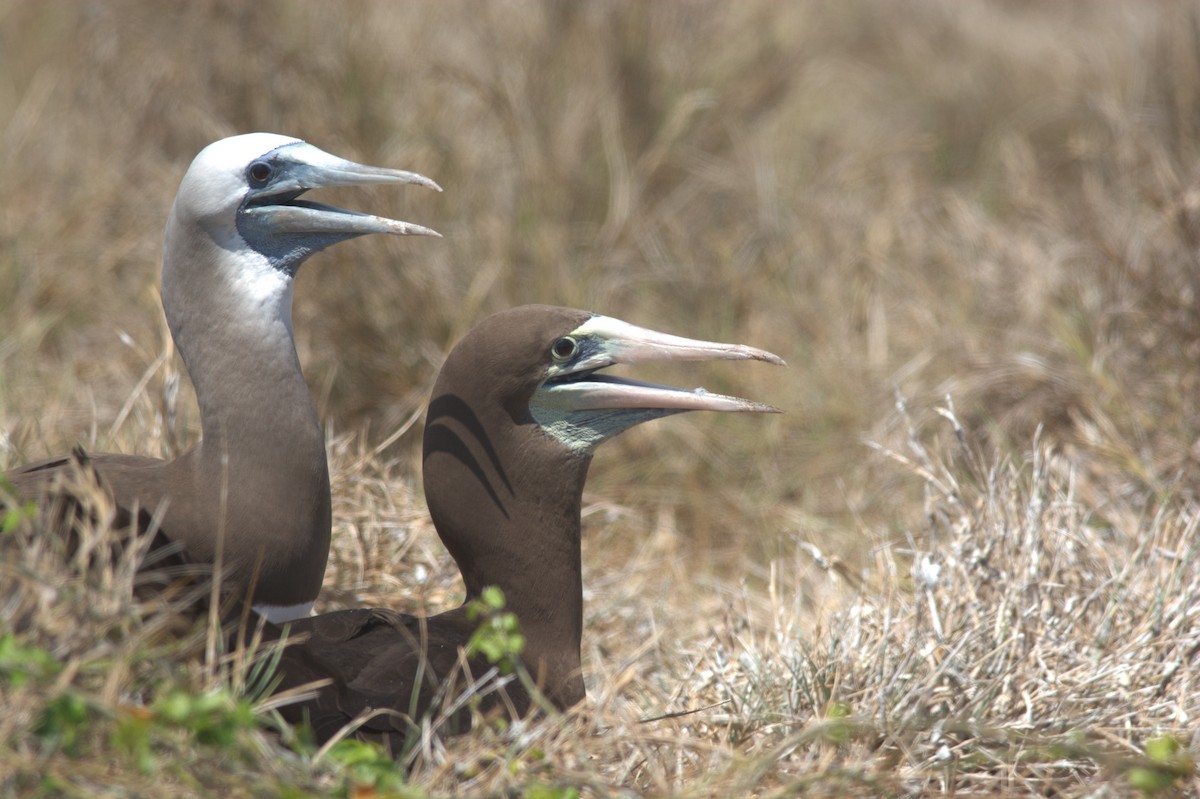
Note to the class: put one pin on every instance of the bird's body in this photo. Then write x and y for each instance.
(515, 416)
(253, 493)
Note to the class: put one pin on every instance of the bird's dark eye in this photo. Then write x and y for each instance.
(564, 348)
(260, 172)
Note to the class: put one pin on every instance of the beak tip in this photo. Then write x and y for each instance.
(411, 229)
(743, 351)
(766, 357)
(412, 179)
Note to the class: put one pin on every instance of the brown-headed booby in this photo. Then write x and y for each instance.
(258, 478)
(516, 413)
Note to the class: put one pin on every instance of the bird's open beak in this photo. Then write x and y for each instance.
(604, 341)
(309, 167)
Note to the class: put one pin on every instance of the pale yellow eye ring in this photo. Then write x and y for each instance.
(564, 348)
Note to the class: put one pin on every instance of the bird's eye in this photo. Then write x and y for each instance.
(260, 171)
(564, 348)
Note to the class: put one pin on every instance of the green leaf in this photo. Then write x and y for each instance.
(367, 764)
(62, 720)
(19, 663)
(1168, 762)
(498, 638)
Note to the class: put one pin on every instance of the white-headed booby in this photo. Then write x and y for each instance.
(258, 478)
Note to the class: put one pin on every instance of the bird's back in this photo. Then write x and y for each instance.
(388, 671)
(79, 495)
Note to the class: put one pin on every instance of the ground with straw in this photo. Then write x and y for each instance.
(962, 562)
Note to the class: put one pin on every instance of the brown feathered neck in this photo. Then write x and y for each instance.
(505, 496)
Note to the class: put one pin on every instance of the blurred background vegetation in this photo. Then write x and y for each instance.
(995, 201)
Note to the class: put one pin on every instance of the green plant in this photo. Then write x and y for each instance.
(1167, 763)
(498, 637)
(63, 720)
(215, 717)
(20, 663)
(367, 766)
(13, 513)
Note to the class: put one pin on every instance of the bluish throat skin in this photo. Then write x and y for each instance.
(252, 497)
(517, 411)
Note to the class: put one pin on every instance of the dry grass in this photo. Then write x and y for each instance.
(995, 202)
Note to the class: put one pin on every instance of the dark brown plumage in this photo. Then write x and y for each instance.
(515, 415)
